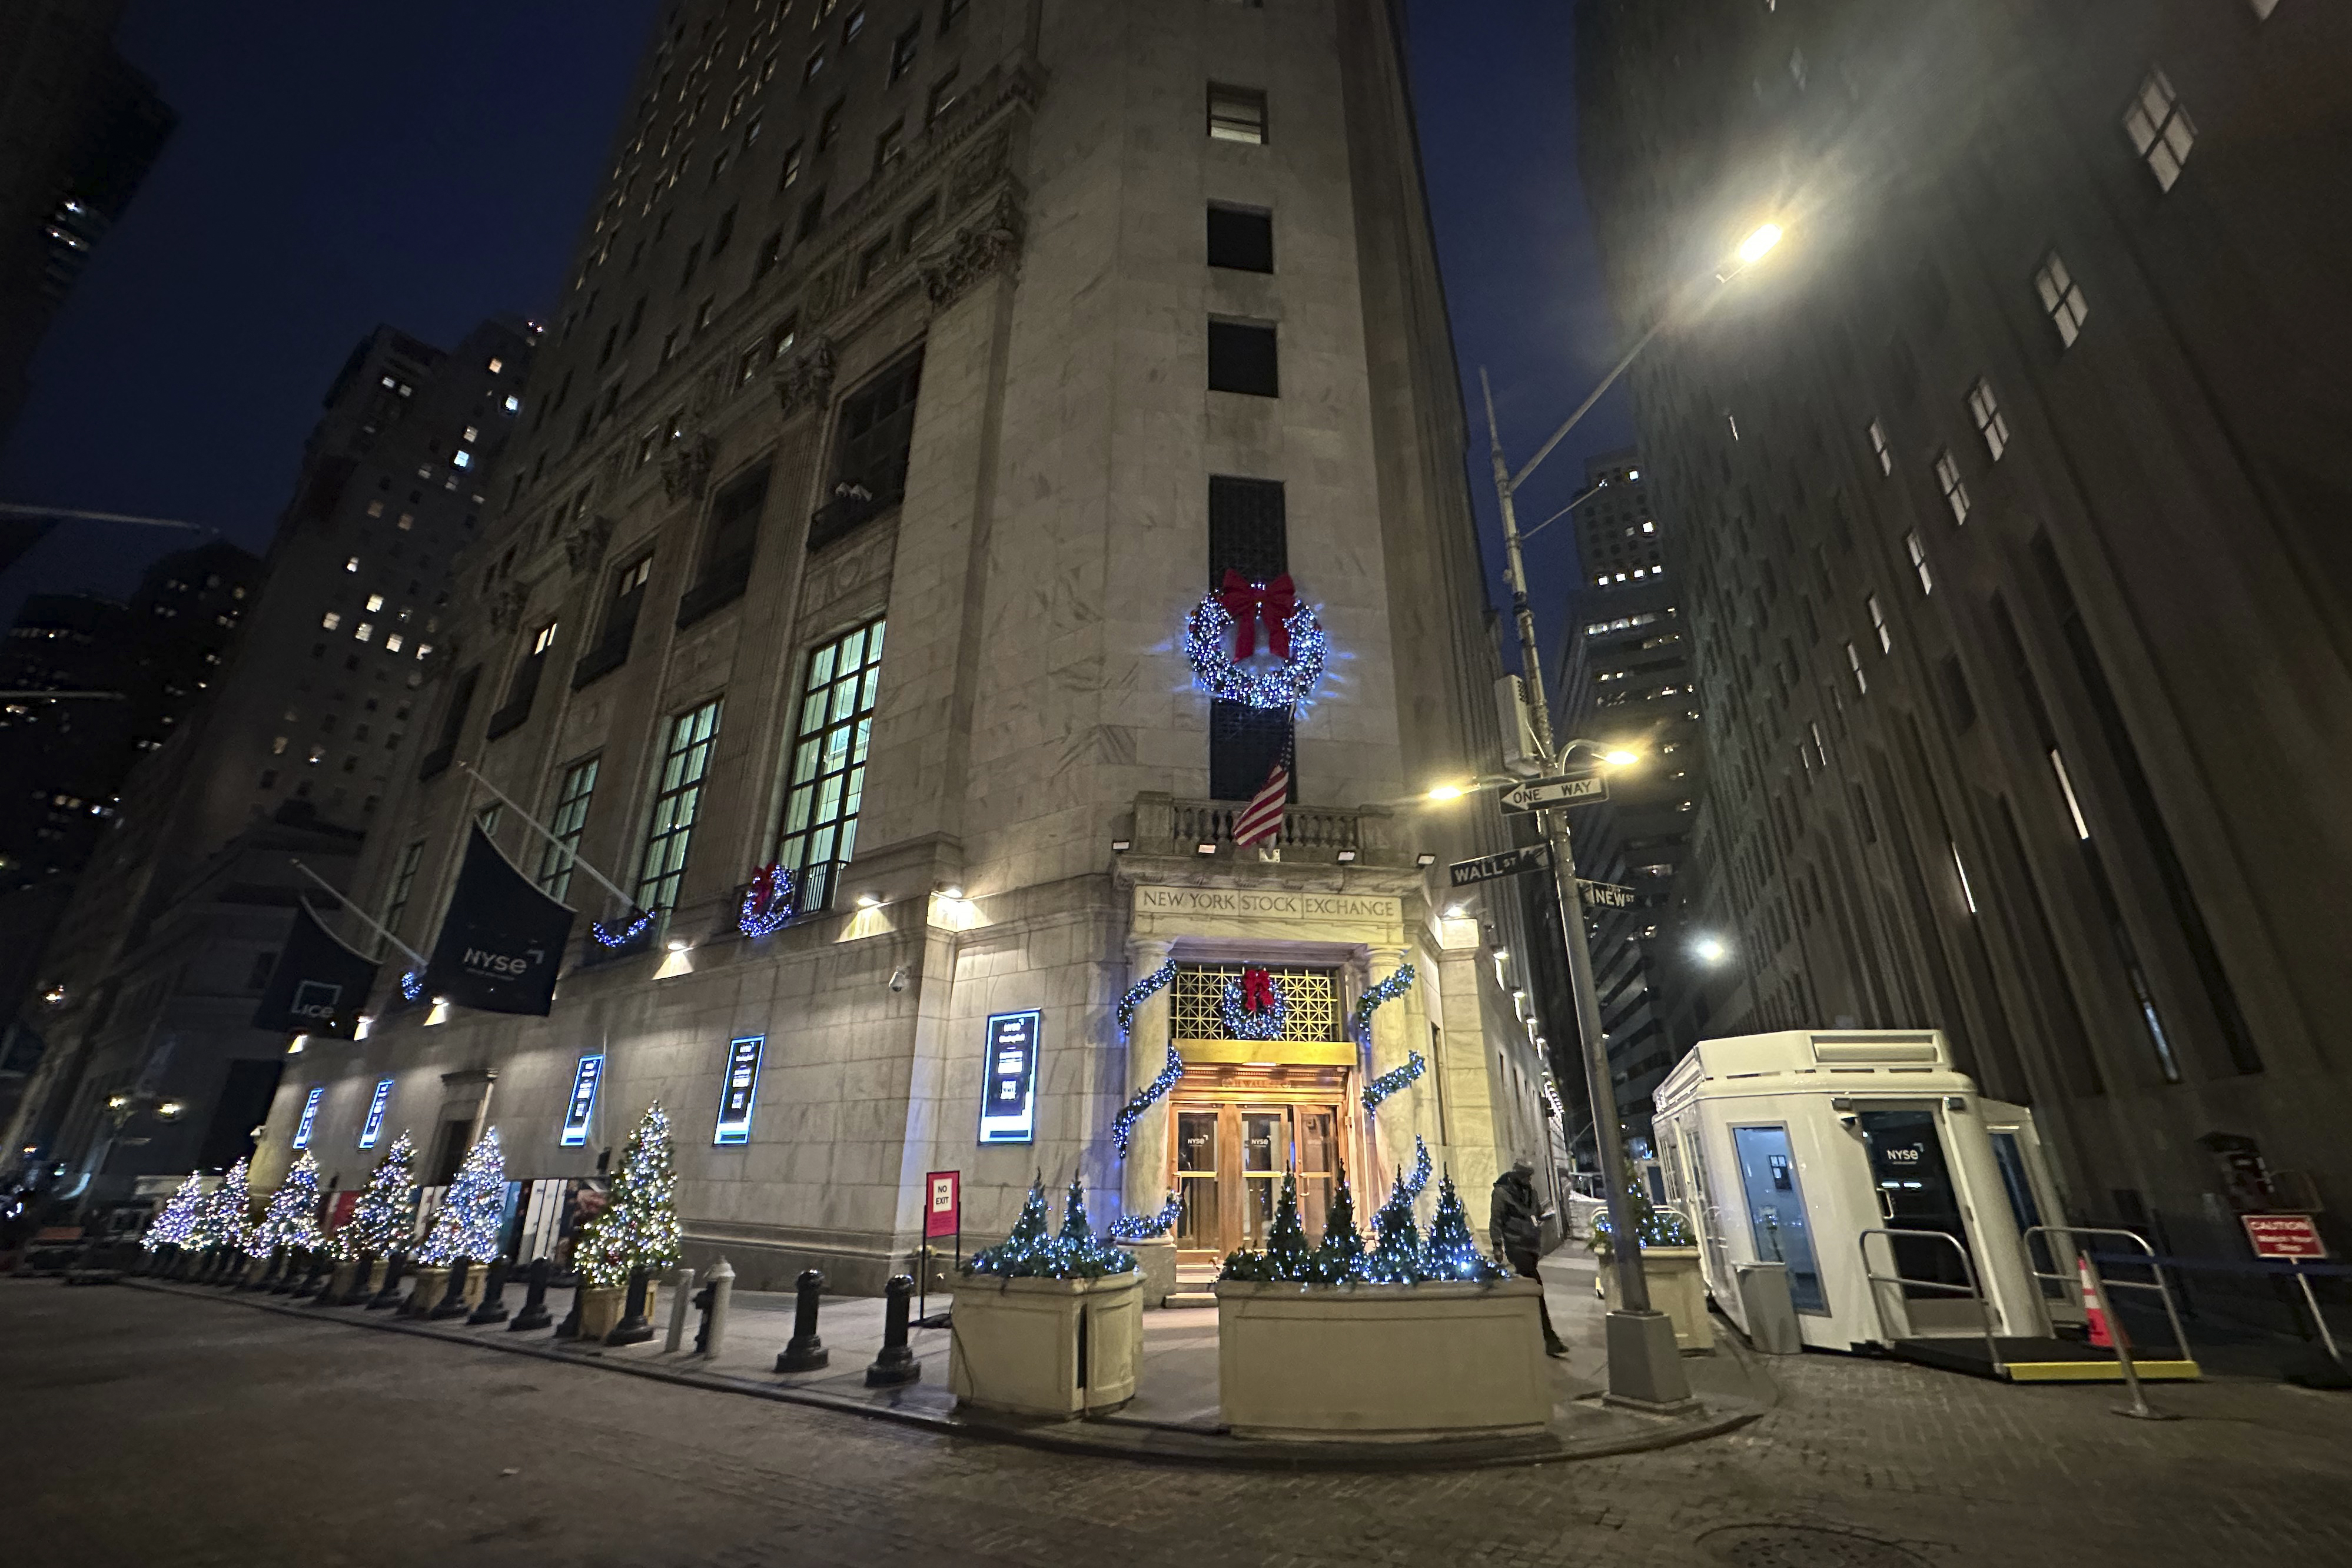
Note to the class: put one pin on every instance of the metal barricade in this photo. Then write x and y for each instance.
(1970, 1289)
(2073, 1285)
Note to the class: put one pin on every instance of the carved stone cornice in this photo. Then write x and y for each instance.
(979, 248)
(806, 381)
(584, 545)
(686, 468)
(504, 606)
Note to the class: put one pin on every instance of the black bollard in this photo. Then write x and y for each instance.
(239, 1273)
(570, 1327)
(452, 1300)
(804, 1351)
(316, 1270)
(634, 1327)
(208, 1263)
(357, 1293)
(194, 1263)
(298, 1264)
(895, 1363)
(534, 1313)
(493, 1309)
(150, 1262)
(389, 1296)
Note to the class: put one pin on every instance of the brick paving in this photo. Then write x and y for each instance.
(158, 1430)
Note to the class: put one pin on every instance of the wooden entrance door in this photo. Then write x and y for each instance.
(1230, 1158)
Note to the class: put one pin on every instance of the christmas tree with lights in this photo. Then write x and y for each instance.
(1451, 1253)
(1033, 1252)
(178, 1221)
(379, 1222)
(1395, 1256)
(638, 1228)
(222, 1221)
(474, 1210)
(1339, 1259)
(292, 1218)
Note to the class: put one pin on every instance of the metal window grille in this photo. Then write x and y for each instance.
(686, 762)
(1312, 996)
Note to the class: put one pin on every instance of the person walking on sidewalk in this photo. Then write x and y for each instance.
(1516, 1226)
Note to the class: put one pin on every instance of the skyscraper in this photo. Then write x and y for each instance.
(2013, 549)
(976, 441)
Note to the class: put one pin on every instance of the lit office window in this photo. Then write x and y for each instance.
(686, 762)
(1919, 563)
(1237, 114)
(1878, 446)
(2061, 300)
(564, 825)
(1878, 624)
(331, 619)
(2160, 129)
(1956, 494)
(828, 767)
(1853, 663)
(1985, 409)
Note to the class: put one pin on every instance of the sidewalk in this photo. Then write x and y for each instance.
(1172, 1417)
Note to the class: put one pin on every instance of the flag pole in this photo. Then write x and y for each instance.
(535, 824)
(365, 919)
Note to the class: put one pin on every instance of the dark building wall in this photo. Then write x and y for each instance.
(2146, 587)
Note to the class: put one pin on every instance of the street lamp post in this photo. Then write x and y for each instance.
(1645, 1365)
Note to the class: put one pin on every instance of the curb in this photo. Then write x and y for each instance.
(1151, 1443)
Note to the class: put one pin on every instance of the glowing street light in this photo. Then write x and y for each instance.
(1754, 247)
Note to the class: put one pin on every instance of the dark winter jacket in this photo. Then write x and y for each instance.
(1513, 1221)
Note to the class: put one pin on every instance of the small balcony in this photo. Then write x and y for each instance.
(856, 501)
(722, 583)
(1310, 835)
(610, 652)
(436, 761)
(509, 718)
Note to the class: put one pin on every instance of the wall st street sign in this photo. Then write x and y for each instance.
(1494, 867)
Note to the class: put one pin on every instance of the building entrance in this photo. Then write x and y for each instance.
(1230, 1160)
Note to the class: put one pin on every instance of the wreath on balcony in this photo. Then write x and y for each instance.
(1220, 637)
(770, 901)
(1253, 1006)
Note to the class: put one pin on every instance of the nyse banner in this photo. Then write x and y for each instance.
(1008, 1106)
(740, 1091)
(584, 1101)
(309, 1115)
(502, 941)
(373, 1128)
(318, 986)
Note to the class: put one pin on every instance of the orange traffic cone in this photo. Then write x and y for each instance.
(2102, 1338)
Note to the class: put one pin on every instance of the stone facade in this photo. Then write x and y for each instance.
(1022, 201)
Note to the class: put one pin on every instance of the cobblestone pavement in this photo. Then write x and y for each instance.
(158, 1431)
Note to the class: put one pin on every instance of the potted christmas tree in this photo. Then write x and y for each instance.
(464, 1234)
(291, 1220)
(1415, 1338)
(173, 1227)
(1669, 1263)
(223, 1228)
(379, 1227)
(637, 1228)
(1047, 1324)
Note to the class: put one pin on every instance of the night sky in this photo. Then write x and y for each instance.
(427, 164)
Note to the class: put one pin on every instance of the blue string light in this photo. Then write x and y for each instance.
(1033, 1252)
(1374, 998)
(1413, 1184)
(1141, 992)
(1144, 1226)
(412, 985)
(1395, 1078)
(768, 903)
(634, 928)
(1122, 1126)
(1288, 684)
(1243, 1023)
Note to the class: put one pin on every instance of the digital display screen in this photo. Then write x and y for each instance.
(373, 1126)
(584, 1101)
(739, 1091)
(1008, 1105)
(309, 1114)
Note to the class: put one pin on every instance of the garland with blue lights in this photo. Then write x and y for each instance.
(412, 985)
(1375, 997)
(1145, 1226)
(1122, 1126)
(1141, 992)
(1216, 645)
(634, 927)
(1395, 1078)
(1413, 1184)
(1253, 1006)
(768, 903)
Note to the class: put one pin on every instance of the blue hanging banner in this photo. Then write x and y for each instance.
(502, 940)
(1008, 1106)
(584, 1081)
(739, 1091)
(309, 1114)
(318, 985)
(373, 1126)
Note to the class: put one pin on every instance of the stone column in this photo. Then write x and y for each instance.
(1144, 1177)
(1399, 1117)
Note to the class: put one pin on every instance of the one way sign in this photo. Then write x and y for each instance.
(1572, 790)
(1494, 867)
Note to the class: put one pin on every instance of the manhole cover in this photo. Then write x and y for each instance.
(1802, 1546)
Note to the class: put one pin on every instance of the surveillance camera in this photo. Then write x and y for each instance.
(899, 979)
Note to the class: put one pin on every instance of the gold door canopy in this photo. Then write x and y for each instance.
(1312, 995)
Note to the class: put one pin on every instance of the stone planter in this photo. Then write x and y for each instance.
(601, 1307)
(339, 1281)
(1677, 1289)
(1382, 1363)
(1046, 1347)
(431, 1283)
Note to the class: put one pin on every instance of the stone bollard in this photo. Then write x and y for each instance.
(453, 1300)
(681, 1292)
(895, 1363)
(713, 1298)
(534, 1313)
(804, 1351)
(493, 1309)
(386, 1299)
(633, 1329)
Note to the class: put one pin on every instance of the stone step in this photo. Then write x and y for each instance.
(1191, 1299)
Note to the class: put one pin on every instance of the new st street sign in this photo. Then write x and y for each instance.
(1570, 789)
(1494, 867)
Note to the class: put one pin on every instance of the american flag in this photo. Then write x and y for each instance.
(1260, 822)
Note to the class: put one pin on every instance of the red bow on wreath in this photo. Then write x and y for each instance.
(770, 885)
(1257, 990)
(1246, 602)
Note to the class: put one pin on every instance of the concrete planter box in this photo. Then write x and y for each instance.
(1046, 1347)
(600, 1306)
(1382, 1363)
(1677, 1289)
(429, 1284)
